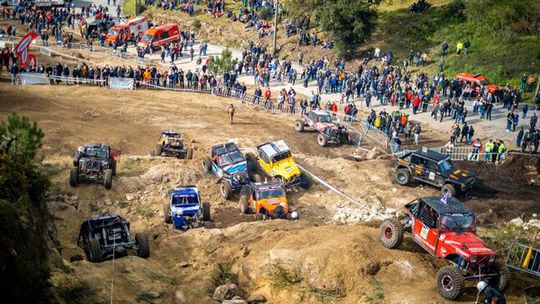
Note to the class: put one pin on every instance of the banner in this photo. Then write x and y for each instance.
(33, 78)
(121, 83)
(22, 49)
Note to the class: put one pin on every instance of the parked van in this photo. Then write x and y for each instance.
(158, 36)
(136, 26)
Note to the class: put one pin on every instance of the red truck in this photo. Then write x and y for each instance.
(478, 80)
(136, 26)
(155, 37)
(446, 229)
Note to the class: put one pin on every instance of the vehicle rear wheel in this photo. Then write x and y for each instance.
(299, 126)
(403, 176)
(225, 189)
(391, 233)
(189, 153)
(251, 162)
(259, 217)
(113, 166)
(206, 165)
(143, 246)
(159, 149)
(166, 215)
(449, 282)
(305, 180)
(448, 189)
(93, 252)
(243, 203)
(74, 177)
(206, 212)
(322, 140)
(108, 179)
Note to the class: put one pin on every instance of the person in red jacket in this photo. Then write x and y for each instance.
(333, 107)
(409, 97)
(416, 104)
(477, 147)
(267, 96)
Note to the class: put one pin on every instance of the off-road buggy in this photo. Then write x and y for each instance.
(106, 235)
(267, 200)
(228, 164)
(171, 143)
(435, 169)
(446, 229)
(275, 160)
(94, 162)
(185, 209)
(329, 132)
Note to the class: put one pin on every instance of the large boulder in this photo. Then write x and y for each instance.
(225, 292)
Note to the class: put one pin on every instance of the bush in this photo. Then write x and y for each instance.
(196, 24)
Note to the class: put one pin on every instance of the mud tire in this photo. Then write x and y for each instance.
(403, 176)
(322, 140)
(143, 246)
(166, 216)
(391, 233)
(74, 177)
(108, 174)
(448, 189)
(206, 212)
(299, 126)
(449, 283)
(93, 251)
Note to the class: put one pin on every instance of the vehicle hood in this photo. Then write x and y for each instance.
(235, 168)
(184, 210)
(324, 125)
(286, 168)
(271, 203)
(461, 175)
(143, 43)
(466, 244)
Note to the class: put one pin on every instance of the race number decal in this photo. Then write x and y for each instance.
(424, 231)
(431, 175)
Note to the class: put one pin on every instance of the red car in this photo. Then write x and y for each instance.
(478, 80)
(446, 229)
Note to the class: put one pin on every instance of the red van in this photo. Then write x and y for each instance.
(158, 36)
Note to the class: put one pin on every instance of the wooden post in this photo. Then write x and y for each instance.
(276, 12)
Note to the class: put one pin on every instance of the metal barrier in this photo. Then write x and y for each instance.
(524, 258)
(469, 154)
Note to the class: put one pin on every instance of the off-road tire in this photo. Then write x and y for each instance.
(166, 216)
(259, 217)
(74, 177)
(299, 126)
(93, 251)
(225, 189)
(189, 153)
(305, 180)
(206, 165)
(502, 278)
(449, 282)
(207, 225)
(322, 140)
(159, 149)
(279, 212)
(403, 176)
(206, 212)
(391, 233)
(152, 153)
(113, 166)
(143, 246)
(107, 178)
(448, 189)
(252, 162)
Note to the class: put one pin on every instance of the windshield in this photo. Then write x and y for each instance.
(446, 165)
(281, 156)
(147, 38)
(95, 152)
(112, 33)
(325, 118)
(230, 158)
(184, 200)
(457, 222)
(270, 193)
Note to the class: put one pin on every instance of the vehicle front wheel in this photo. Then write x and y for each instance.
(225, 189)
(143, 246)
(449, 282)
(305, 180)
(299, 126)
(189, 153)
(74, 177)
(322, 140)
(206, 212)
(108, 179)
(159, 149)
(502, 278)
(391, 233)
(206, 165)
(93, 252)
(403, 176)
(448, 189)
(166, 215)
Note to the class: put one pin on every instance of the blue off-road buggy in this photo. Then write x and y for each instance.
(229, 165)
(106, 235)
(185, 210)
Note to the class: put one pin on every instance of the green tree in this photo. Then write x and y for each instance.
(224, 63)
(349, 21)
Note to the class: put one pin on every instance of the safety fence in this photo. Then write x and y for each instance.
(524, 258)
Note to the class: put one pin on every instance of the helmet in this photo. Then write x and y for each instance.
(481, 285)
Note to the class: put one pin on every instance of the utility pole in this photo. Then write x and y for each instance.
(276, 13)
